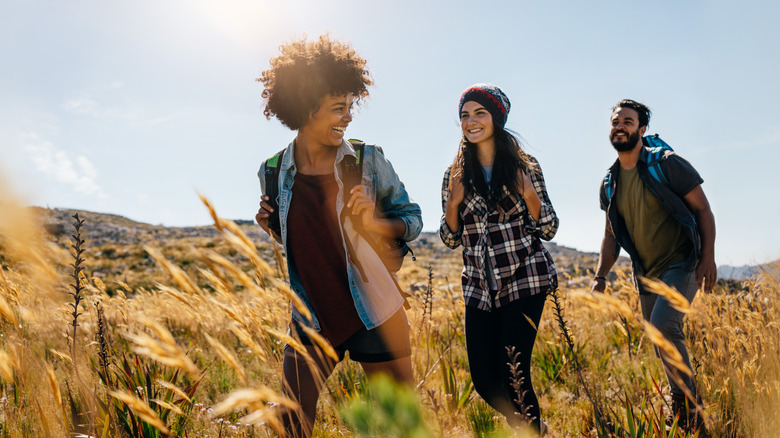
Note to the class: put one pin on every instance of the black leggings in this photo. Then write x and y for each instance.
(487, 336)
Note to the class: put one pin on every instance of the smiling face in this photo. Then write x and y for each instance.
(476, 122)
(626, 134)
(326, 126)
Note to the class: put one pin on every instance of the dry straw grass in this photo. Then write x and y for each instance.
(9, 363)
(164, 349)
(668, 349)
(263, 405)
(737, 337)
(675, 299)
(141, 409)
(224, 323)
(175, 389)
(228, 357)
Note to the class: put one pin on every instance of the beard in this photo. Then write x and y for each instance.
(627, 145)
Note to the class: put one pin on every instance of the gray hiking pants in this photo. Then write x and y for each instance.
(657, 310)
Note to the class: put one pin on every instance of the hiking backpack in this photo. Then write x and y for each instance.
(391, 251)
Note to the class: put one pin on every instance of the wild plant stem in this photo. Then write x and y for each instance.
(624, 321)
(103, 352)
(428, 298)
(517, 384)
(77, 286)
(558, 310)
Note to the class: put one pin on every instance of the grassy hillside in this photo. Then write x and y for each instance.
(114, 248)
(179, 331)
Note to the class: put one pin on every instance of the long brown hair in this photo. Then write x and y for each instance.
(509, 159)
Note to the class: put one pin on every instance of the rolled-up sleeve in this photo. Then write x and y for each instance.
(261, 177)
(450, 239)
(547, 225)
(681, 175)
(393, 198)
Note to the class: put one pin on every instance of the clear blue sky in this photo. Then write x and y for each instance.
(129, 107)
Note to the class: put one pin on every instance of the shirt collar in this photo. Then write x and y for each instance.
(288, 160)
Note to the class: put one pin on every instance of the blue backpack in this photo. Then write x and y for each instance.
(657, 149)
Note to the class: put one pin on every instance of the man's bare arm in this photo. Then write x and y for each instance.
(607, 258)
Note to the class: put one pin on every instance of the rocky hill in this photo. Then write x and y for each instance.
(109, 229)
(115, 250)
(102, 229)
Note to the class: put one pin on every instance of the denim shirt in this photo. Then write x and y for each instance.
(377, 296)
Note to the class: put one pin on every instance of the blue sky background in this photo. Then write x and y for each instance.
(129, 107)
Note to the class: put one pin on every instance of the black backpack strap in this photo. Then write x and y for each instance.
(393, 250)
(272, 166)
(352, 167)
(352, 175)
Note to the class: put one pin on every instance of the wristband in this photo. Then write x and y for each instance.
(600, 277)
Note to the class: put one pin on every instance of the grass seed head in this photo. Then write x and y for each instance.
(141, 409)
(675, 299)
(6, 311)
(247, 339)
(668, 349)
(168, 406)
(165, 350)
(253, 400)
(175, 389)
(228, 357)
(55, 387)
(9, 363)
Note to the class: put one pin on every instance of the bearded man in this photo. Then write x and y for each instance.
(657, 212)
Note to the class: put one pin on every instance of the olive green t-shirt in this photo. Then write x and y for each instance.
(659, 239)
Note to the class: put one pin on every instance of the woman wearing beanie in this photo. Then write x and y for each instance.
(496, 206)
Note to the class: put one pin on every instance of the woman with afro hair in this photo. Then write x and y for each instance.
(328, 229)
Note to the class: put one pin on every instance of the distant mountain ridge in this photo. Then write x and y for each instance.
(728, 272)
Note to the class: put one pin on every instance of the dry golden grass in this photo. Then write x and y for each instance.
(141, 409)
(223, 323)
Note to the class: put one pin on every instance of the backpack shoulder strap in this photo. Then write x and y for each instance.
(352, 166)
(352, 169)
(656, 153)
(272, 166)
(606, 186)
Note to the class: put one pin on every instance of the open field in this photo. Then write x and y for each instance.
(179, 332)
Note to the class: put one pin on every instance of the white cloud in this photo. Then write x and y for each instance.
(92, 103)
(81, 106)
(50, 160)
(88, 107)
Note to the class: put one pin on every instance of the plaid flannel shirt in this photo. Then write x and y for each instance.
(510, 237)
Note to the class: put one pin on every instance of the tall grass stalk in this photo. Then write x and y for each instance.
(559, 316)
(517, 379)
(78, 287)
(243, 304)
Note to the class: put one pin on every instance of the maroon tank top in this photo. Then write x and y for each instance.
(315, 247)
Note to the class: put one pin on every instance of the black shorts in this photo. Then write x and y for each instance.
(387, 342)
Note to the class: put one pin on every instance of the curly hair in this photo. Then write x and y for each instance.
(305, 72)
